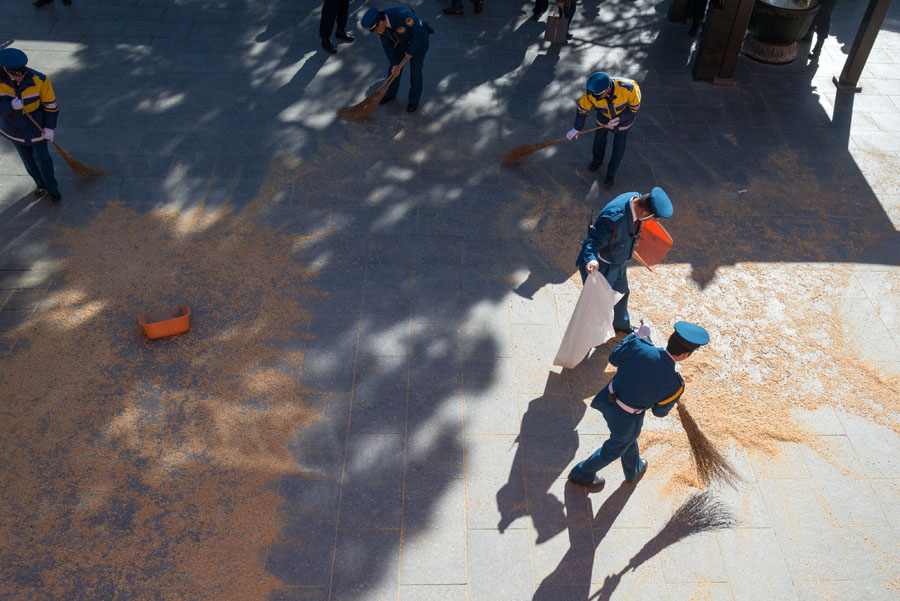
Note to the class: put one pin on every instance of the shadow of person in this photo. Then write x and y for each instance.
(586, 531)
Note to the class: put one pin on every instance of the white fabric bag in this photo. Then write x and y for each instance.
(591, 322)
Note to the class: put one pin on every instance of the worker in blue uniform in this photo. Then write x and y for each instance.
(617, 101)
(28, 114)
(402, 34)
(645, 379)
(611, 241)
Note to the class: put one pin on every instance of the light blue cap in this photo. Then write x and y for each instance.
(660, 203)
(370, 17)
(598, 82)
(691, 335)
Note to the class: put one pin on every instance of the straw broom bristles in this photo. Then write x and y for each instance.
(517, 154)
(710, 464)
(363, 109)
(78, 168)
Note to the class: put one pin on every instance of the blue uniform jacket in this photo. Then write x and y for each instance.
(646, 376)
(614, 235)
(38, 100)
(407, 33)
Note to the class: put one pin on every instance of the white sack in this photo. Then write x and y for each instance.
(591, 323)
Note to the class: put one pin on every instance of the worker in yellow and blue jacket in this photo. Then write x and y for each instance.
(402, 34)
(645, 380)
(617, 101)
(27, 93)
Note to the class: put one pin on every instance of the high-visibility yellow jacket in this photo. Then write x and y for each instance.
(623, 103)
(38, 100)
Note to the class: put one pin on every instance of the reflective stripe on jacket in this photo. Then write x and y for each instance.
(38, 100)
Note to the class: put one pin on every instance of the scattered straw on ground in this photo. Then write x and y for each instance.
(145, 469)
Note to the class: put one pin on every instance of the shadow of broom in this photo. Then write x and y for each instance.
(701, 512)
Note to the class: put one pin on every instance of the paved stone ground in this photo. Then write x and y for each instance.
(437, 474)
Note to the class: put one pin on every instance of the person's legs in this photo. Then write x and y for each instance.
(343, 11)
(45, 164)
(329, 13)
(599, 149)
(618, 279)
(416, 65)
(26, 153)
(621, 437)
(618, 151)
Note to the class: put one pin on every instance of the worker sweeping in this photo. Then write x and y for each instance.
(403, 36)
(612, 239)
(26, 93)
(646, 379)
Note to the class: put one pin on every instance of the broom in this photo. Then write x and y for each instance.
(518, 153)
(710, 463)
(365, 108)
(78, 168)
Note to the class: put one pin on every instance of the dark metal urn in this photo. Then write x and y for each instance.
(775, 28)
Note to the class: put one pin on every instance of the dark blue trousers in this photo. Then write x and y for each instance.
(39, 165)
(415, 66)
(617, 276)
(618, 150)
(333, 10)
(624, 429)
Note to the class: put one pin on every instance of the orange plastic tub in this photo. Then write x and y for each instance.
(166, 322)
(654, 243)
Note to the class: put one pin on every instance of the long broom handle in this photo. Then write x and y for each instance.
(393, 77)
(581, 133)
(30, 118)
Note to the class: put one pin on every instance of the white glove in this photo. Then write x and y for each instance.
(613, 122)
(16, 104)
(48, 134)
(592, 266)
(643, 331)
(572, 133)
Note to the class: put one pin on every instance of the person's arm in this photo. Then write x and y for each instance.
(622, 350)
(583, 107)
(601, 242)
(48, 102)
(662, 408)
(419, 39)
(627, 116)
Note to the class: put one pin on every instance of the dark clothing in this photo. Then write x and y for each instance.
(39, 165)
(645, 379)
(406, 34)
(620, 137)
(611, 243)
(333, 10)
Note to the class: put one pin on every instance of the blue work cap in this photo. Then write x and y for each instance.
(691, 335)
(13, 58)
(370, 18)
(598, 82)
(660, 203)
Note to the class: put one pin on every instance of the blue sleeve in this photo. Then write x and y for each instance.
(662, 408)
(388, 46)
(580, 117)
(418, 42)
(601, 240)
(622, 350)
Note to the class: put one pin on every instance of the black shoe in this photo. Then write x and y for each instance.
(328, 46)
(641, 473)
(479, 4)
(411, 108)
(39, 192)
(626, 332)
(596, 484)
(594, 166)
(40, 3)
(56, 197)
(454, 11)
(569, 36)
(609, 180)
(386, 99)
(343, 35)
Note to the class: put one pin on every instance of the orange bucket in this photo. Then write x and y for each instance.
(654, 243)
(166, 322)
